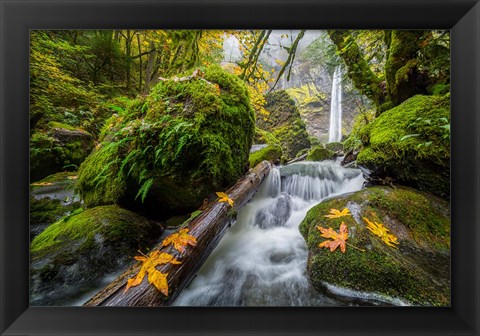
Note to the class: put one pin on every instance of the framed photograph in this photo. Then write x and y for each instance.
(239, 168)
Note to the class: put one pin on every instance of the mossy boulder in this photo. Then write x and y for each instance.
(334, 146)
(320, 153)
(45, 211)
(84, 246)
(165, 152)
(284, 123)
(416, 273)
(51, 199)
(271, 153)
(411, 144)
(57, 148)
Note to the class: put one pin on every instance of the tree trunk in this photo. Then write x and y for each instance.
(404, 80)
(208, 228)
(149, 68)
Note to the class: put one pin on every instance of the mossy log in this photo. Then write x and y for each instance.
(208, 228)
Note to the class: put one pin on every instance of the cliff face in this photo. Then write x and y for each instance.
(311, 87)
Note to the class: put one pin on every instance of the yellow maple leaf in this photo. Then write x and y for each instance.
(338, 238)
(180, 240)
(334, 213)
(381, 231)
(155, 277)
(223, 197)
(41, 184)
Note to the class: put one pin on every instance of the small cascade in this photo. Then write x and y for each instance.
(262, 259)
(335, 130)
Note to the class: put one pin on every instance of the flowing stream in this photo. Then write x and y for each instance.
(261, 261)
(335, 129)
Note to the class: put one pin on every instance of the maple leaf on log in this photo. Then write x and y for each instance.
(155, 277)
(180, 240)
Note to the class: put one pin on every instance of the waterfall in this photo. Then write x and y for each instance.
(262, 259)
(335, 130)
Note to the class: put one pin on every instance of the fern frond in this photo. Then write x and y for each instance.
(142, 192)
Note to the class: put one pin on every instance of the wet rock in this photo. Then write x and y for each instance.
(58, 148)
(51, 199)
(84, 246)
(417, 272)
(277, 214)
(173, 147)
(284, 123)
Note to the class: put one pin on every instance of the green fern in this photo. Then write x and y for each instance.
(143, 191)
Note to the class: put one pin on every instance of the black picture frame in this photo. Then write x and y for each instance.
(17, 17)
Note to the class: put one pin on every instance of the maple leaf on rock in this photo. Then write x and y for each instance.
(223, 197)
(338, 238)
(334, 213)
(381, 231)
(155, 277)
(180, 240)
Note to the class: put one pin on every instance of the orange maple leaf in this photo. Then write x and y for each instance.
(338, 239)
(180, 240)
(334, 213)
(223, 197)
(155, 277)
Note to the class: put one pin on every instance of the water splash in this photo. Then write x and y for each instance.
(335, 129)
(262, 259)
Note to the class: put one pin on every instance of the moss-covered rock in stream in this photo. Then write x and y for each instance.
(271, 153)
(57, 148)
(411, 144)
(284, 123)
(46, 211)
(320, 153)
(51, 199)
(168, 150)
(334, 146)
(417, 272)
(85, 246)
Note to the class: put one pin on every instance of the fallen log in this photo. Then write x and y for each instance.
(300, 158)
(208, 228)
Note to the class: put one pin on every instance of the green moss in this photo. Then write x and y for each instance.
(357, 137)
(47, 211)
(285, 124)
(262, 136)
(402, 63)
(81, 227)
(440, 89)
(302, 152)
(184, 140)
(51, 152)
(63, 177)
(421, 222)
(307, 95)
(411, 144)
(319, 153)
(334, 146)
(56, 124)
(98, 180)
(271, 153)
